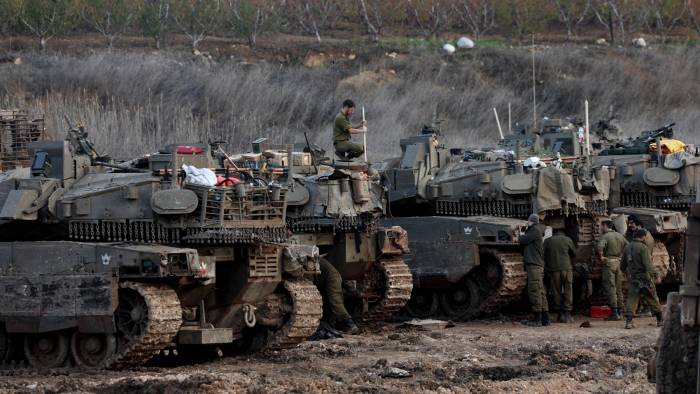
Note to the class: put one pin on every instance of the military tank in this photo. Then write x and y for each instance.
(571, 193)
(654, 195)
(336, 205)
(107, 264)
(463, 267)
(675, 367)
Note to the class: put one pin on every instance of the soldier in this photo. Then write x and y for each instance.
(331, 285)
(636, 261)
(558, 252)
(342, 131)
(534, 264)
(633, 224)
(610, 248)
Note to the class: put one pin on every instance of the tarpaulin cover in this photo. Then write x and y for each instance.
(199, 176)
(669, 145)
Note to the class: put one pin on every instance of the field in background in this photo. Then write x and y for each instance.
(134, 102)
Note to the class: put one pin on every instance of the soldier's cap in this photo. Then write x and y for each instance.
(534, 218)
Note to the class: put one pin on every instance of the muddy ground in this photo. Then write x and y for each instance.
(489, 356)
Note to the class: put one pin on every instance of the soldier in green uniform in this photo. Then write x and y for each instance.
(558, 252)
(331, 285)
(634, 224)
(343, 129)
(610, 248)
(636, 261)
(534, 264)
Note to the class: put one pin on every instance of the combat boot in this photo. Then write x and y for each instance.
(615, 315)
(348, 327)
(659, 320)
(567, 317)
(560, 317)
(535, 322)
(628, 323)
(545, 319)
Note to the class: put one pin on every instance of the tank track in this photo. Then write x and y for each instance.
(165, 316)
(398, 286)
(307, 309)
(511, 285)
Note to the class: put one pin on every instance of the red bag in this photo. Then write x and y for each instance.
(600, 312)
(222, 181)
(188, 150)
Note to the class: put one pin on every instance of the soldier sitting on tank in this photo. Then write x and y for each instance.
(636, 261)
(610, 248)
(558, 252)
(343, 130)
(330, 282)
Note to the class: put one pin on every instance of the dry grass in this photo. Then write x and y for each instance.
(133, 103)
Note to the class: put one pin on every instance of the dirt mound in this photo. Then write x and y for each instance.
(369, 80)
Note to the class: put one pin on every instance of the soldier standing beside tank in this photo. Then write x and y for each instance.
(330, 282)
(634, 224)
(343, 129)
(636, 261)
(534, 264)
(558, 252)
(610, 248)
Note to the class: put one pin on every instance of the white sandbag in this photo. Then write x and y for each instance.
(465, 43)
(449, 49)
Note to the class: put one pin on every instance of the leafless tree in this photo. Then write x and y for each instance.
(372, 17)
(572, 13)
(43, 18)
(479, 16)
(109, 17)
(196, 18)
(660, 17)
(428, 15)
(614, 12)
(249, 20)
(155, 15)
(693, 7)
(313, 16)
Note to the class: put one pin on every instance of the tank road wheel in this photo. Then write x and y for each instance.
(677, 357)
(48, 350)
(131, 315)
(502, 278)
(93, 350)
(423, 303)
(462, 301)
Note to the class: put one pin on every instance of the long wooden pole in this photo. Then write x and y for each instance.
(364, 135)
(534, 90)
(498, 122)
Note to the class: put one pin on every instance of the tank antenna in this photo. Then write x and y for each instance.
(534, 90)
(364, 135)
(588, 131)
(498, 122)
